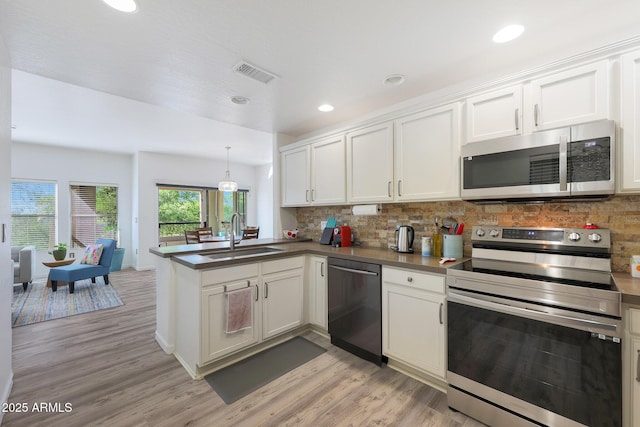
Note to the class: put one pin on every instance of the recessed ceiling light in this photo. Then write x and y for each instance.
(508, 33)
(241, 100)
(325, 108)
(122, 5)
(394, 80)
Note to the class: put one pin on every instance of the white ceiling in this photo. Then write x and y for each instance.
(172, 63)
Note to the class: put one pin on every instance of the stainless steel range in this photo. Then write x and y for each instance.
(534, 329)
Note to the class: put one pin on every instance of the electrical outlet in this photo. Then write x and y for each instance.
(323, 225)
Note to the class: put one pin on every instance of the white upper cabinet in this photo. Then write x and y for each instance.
(494, 114)
(328, 171)
(427, 151)
(574, 96)
(295, 167)
(629, 155)
(314, 174)
(570, 97)
(370, 164)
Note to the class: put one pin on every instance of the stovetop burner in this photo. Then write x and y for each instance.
(565, 276)
(568, 268)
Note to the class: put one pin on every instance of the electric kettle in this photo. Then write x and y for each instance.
(404, 238)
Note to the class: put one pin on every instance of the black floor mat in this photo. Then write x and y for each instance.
(238, 380)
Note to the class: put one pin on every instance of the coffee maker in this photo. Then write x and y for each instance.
(342, 236)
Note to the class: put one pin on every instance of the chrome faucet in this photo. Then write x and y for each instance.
(232, 232)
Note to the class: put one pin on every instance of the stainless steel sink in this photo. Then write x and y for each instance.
(242, 253)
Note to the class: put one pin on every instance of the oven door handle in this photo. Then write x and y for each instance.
(568, 321)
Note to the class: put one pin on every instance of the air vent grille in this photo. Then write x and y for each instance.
(253, 72)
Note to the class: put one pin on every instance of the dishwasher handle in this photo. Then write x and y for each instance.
(353, 270)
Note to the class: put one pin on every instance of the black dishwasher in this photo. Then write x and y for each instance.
(355, 308)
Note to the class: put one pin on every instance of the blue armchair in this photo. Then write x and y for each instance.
(74, 272)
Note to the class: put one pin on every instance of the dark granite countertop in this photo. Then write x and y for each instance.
(196, 256)
(629, 286)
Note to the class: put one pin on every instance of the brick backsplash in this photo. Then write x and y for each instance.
(620, 214)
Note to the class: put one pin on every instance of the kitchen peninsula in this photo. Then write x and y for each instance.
(192, 279)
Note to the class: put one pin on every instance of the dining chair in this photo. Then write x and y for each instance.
(250, 233)
(191, 236)
(204, 232)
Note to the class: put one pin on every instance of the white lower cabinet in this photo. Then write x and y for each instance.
(277, 307)
(282, 295)
(413, 320)
(317, 291)
(215, 341)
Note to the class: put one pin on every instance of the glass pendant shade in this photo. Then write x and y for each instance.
(227, 184)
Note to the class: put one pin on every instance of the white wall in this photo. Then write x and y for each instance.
(6, 273)
(264, 200)
(154, 168)
(68, 166)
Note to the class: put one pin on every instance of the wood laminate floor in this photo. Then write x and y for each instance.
(105, 368)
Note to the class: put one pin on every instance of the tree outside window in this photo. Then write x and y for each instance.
(94, 214)
(178, 210)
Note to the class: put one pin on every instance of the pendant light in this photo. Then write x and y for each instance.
(227, 184)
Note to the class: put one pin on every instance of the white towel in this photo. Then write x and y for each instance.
(239, 312)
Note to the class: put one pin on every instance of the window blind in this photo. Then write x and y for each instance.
(33, 214)
(94, 214)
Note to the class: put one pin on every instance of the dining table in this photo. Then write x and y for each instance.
(206, 239)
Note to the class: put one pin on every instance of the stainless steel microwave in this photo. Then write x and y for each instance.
(571, 162)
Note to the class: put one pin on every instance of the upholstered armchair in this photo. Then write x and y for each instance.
(24, 264)
(89, 268)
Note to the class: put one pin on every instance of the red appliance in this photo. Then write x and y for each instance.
(342, 236)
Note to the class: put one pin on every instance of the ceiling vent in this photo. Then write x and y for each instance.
(253, 72)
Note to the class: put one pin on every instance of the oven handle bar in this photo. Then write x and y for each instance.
(572, 322)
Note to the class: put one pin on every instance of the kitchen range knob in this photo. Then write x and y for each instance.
(594, 237)
(574, 237)
(494, 233)
(480, 232)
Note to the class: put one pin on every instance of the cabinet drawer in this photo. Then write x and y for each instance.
(282, 264)
(414, 279)
(229, 274)
(634, 321)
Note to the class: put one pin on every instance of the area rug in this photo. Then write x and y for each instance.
(240, 379)
(40, 303)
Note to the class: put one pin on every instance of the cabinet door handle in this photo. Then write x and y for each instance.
(517, 121)
(638, 368)
(257, 292)
(322, 269)
(266, 290)
(440, 314)
(306, 195)
(535, 115)
(399, 187)
(389, 188)
(4, 233)
(409, 279)
(313, 192)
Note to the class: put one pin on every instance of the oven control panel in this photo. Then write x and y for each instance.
(576, 237)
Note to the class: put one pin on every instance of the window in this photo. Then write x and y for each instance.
(187, 208)
(179, 209)
(94, 214)
(33, 214)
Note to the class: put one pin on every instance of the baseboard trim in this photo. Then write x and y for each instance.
(169, 349)
(6, 391)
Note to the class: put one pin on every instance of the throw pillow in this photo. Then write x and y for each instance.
(92, 254)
